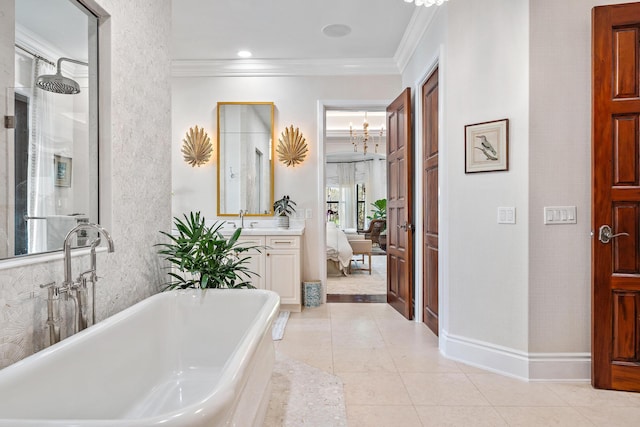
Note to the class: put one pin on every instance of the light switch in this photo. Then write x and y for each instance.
(560, 215)
(507, 215)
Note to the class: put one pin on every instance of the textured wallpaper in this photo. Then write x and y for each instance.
(7, 31)
(136, 162)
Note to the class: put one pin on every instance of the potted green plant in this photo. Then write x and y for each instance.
(202, 257)
(283, 208)
(379, 210)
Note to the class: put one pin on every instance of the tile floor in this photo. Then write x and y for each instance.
(393, 375)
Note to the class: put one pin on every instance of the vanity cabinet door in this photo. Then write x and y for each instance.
(283, 274)
(256, 259)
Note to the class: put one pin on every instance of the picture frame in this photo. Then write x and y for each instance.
(62, 170)
(487, 146)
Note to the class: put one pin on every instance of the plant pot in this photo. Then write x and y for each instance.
(283, 221)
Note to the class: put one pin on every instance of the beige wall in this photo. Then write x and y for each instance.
(520, 293)
(487, 79)
(135, 178)
(560, 161)
(296, 102)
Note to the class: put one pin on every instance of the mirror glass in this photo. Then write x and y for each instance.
(51, 169)
(245, 158)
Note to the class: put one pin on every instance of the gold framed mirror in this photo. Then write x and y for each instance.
(245, 158)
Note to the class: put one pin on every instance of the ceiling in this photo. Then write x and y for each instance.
(291, 30)
(273, 30)
(338, 143)
(56, 26)
(287, 29)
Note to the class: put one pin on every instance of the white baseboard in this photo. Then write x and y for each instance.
(515, 363)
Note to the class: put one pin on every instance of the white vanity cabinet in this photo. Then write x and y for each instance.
(283, 268)
(256, 259)
(278, 263)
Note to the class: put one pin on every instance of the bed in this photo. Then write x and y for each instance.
(339, 251)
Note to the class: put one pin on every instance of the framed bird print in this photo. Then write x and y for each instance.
(487, 146)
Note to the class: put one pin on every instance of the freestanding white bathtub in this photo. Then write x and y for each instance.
(181, 358)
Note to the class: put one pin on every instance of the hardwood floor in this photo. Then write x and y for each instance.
(356, 298)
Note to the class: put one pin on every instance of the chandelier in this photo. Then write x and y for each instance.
(426, 3)
(365, 138)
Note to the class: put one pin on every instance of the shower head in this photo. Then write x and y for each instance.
(57, 83)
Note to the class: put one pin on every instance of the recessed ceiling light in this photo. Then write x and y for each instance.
(336, 30)
(244, 54)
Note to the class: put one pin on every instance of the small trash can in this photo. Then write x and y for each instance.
(311, 292)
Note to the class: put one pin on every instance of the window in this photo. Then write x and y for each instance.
(361, 208)
(333, 204)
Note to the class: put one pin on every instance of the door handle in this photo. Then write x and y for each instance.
(406, 226)
(605, 234)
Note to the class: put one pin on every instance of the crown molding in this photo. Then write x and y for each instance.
(420, 21)
(31, 41)
(282, 67)
(35, 44)
(418, 24)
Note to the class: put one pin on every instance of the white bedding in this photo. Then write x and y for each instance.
(338, 247)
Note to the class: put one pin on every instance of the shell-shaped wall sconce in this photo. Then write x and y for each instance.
(292, 147)
(197, 147)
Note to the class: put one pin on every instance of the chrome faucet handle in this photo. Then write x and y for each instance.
(253, 223)
(52, 289)
(48, 285)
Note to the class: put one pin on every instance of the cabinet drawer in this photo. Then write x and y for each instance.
(251, 240)
(283, 242)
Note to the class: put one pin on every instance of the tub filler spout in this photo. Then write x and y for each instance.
(77, 289)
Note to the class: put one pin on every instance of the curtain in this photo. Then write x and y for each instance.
(375, 180)
(347, 184)
(40, 180)
(378, 180)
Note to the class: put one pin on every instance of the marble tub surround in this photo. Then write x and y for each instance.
(393, 374)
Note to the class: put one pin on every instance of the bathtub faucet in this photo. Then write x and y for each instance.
(77, 289)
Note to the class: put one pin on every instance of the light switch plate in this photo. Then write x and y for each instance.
(554, 215)
(507, 215)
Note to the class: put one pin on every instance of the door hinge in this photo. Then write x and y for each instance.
(9, 122)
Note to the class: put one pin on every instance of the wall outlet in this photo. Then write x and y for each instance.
(308, 213)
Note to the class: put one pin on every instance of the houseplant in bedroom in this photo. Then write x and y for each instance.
(200, 256)
(379, 210)
(283, 208)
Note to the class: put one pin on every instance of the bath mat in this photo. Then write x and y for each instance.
(277, 330)
(302, 395)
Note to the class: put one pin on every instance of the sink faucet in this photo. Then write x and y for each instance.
(79, 296)
(242, 213)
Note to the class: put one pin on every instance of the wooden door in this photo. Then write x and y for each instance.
(616, 197)
(430, 201)
(399, 205)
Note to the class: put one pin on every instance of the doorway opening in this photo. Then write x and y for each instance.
(355, 190)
